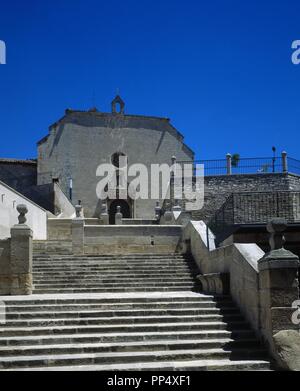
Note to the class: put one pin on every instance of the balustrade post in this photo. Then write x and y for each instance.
(284, 162)
(228, 164)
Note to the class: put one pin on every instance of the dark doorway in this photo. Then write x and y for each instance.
(125, 210)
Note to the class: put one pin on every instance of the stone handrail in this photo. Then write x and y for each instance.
(264, 286)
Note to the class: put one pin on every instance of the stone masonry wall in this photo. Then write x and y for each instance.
(218, 188)
(19, 176)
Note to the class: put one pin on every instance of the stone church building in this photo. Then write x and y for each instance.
(82, 140)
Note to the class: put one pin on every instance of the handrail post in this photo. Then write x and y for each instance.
(284, 162)
(228, 164)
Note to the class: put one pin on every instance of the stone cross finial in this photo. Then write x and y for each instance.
(22, 209)
(276, 227)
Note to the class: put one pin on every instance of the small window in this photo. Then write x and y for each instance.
(119, 159)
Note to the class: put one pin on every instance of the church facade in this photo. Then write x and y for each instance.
(82, 140)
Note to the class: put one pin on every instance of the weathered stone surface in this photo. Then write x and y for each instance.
(282, 319)
(287, 345)
(219, 187)
(78, 235)
(21, 249)
(216, 283)
(124, 239)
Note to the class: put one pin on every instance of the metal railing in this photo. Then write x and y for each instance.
(293, 165)
(252, 165)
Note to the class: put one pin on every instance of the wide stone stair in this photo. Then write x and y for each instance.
(138, 312)
(99, 274)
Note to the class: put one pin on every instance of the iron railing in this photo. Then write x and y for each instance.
(293, 165)
(257, 165)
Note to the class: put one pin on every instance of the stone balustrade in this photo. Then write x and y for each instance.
(264, 286)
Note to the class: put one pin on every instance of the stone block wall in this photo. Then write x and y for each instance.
(131, 239)
(18, 174)
(218, 188)
(16, 262)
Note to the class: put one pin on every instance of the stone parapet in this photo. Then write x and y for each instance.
(264, 286)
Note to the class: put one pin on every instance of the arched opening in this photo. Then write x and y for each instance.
(117, 105)
(125, 210)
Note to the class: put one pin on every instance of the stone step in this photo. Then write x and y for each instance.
(66, 313)
(99, 320)
(113, 259)
(137, 267)
(112, 284)
(110, 257)
(147, 266)
(120, 299)
(112, 273)
(143, 261)
(202, 306)
(185, 365)
(123, 337)
(125, 327)
(113, 265)
(129, 357)
(115, 290)
(115, 280)
(35, 350)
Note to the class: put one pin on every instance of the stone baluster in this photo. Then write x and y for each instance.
(284, 161)
(157, 211)
(79, 210)
(228, 164)
(78, 231)
(118, 216)
(104, 213)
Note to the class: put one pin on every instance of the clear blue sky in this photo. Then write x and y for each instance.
(220, 69)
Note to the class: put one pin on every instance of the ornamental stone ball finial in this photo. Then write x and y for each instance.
(22, 209)
(276, 227)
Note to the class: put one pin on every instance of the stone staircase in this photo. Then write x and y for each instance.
(100, 274)
(134, 312)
